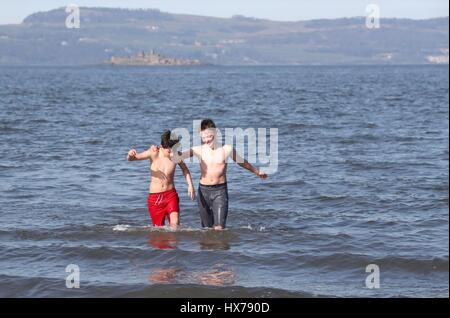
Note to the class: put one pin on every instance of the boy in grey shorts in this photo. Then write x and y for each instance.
(213, 191)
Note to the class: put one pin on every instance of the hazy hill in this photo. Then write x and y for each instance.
(43, 39)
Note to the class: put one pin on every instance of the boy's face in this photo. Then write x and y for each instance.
(208, 135)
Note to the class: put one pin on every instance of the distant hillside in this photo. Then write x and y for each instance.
(43, 39)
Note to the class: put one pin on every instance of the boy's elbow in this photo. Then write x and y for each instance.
(243, 164)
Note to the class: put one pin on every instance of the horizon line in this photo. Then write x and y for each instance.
(229, 17)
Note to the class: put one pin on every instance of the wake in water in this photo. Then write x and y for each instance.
(151, 228)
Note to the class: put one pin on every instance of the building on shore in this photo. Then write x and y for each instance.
(151, 59)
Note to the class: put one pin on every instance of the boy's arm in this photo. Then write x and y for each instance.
(187, 175)
(149, 154)
(194, 151)
(186, 154)
(246, 165)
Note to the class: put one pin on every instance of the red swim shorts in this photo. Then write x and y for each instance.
(161, 205)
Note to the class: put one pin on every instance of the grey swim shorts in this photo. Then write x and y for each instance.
(213, 204)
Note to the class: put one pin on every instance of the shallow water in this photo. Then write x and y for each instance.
(362, 179)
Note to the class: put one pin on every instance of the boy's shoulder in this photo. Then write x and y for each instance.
(227, 147)
(197, 149)
(153, 152)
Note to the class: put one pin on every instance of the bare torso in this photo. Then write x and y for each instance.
(162, 171)
(213, 163)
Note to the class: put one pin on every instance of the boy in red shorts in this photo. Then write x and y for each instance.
(163, 198)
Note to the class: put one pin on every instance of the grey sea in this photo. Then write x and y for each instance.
(362, 179)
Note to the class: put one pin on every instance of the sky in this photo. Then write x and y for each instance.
(283, 10)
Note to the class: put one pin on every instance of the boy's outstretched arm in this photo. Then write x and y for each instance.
(186, 154)
(247, 165)
(187, 175)
(149, 154)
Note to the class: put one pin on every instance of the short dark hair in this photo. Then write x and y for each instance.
(207, 124)
(168, 140)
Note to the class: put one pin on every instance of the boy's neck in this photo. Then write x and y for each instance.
(161, 154)
(213, 146)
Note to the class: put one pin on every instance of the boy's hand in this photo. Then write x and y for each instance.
(191, 193)
(131, 154)
(261, 174)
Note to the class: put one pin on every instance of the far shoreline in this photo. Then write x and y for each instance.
(101, 65)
